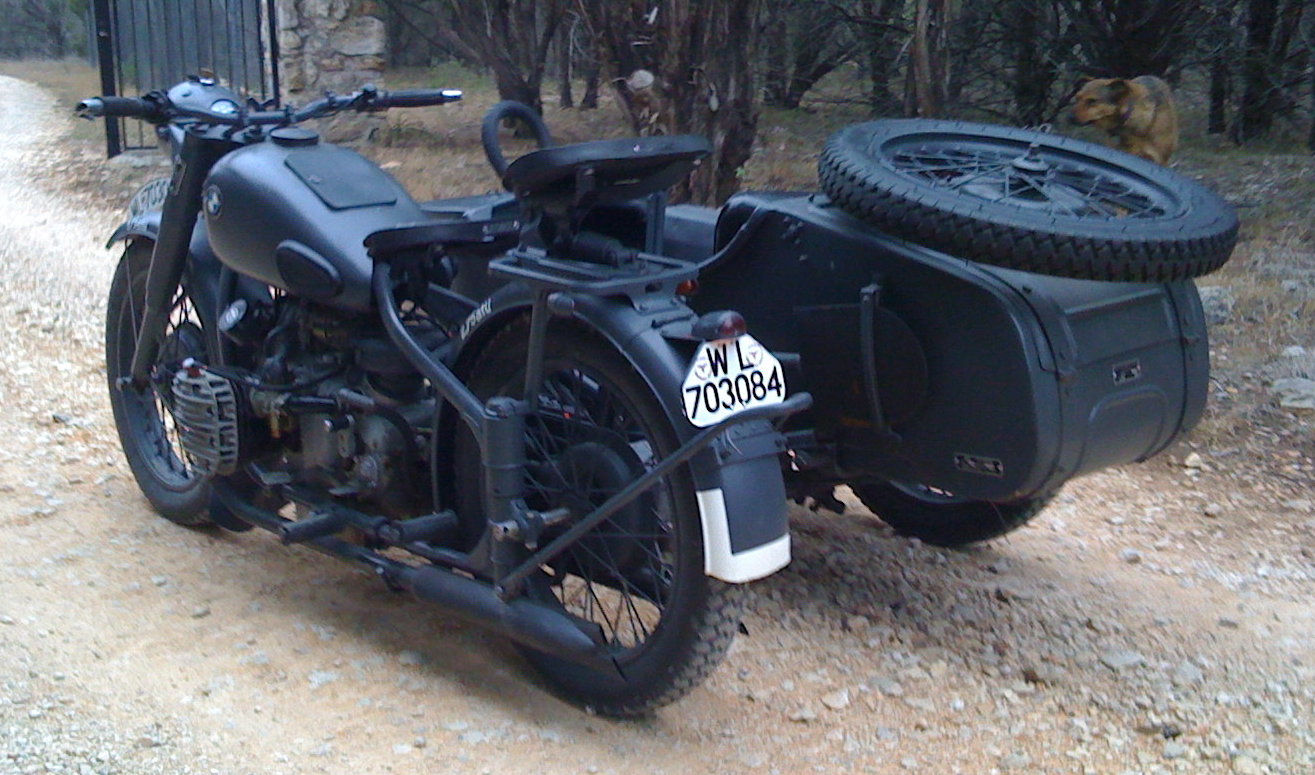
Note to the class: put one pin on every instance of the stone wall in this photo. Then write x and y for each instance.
(334, 45)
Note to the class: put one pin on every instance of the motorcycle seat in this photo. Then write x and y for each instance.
(564, 177)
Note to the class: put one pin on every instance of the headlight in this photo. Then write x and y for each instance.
(223, 107)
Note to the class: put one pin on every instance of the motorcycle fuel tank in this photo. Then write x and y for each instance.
(294, 213)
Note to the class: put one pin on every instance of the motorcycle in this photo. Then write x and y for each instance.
(288, 347)
(541, 395)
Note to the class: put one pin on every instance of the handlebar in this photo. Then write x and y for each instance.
(414, 98)
(126, 107)
(155, 107)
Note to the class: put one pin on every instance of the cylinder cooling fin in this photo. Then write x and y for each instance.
(205, 410)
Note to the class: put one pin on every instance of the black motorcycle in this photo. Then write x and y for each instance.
(541, 395)
(570, 457)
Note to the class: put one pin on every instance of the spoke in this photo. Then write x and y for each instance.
(1046, 194)
(628, 590)
(1062, 188)
(616, 572)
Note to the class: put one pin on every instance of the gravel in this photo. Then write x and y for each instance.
(1048, 651)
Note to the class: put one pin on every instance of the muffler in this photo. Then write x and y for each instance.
(527, 622)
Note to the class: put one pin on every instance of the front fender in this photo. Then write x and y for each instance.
(145, 225)
(738, 480)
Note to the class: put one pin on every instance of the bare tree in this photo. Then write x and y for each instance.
(879, 27)
(1220, 51)
(686, 66)
(576, 55)
(1127, 38)
(926, 92)
(1270, 27)
(510, 37)
(41, 27)
(806, 40)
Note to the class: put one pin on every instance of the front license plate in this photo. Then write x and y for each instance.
(728, 376)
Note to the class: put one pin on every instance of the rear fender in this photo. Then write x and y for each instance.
(738, 480)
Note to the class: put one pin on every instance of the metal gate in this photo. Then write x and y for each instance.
(153, 44)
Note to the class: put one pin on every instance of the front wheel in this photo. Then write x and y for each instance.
(638, 578)
(940, 518)
(147, 430)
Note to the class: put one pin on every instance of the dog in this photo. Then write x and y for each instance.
(1139, 112)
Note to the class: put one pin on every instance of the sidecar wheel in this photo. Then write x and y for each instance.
(146, 427)
(1027, 200)
(637, 579)
(941, 519)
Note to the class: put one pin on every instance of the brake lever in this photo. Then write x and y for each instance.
(367, 100)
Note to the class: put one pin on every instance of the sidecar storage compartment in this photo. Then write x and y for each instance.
(996, 385)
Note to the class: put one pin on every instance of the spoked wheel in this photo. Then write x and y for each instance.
(1027, 200)
(147, 430)
(637, 580)
(941, 518)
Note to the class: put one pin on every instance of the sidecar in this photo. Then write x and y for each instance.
(988, 383)
(981, 313)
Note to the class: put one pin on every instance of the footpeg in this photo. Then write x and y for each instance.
(317, 525)
(426, 528)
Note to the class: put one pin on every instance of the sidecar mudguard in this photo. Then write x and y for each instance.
(738, 479)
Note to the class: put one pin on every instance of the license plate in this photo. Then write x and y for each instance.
(728, 376)
(149, 197)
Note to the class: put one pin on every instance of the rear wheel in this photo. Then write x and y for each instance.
(937, 517)
(638, 578)
(147, 430)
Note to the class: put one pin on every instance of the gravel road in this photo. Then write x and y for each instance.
(1157, 619)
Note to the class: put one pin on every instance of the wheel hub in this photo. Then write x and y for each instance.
(592, 472)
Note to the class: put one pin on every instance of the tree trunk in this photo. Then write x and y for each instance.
(700, 83)
(565, 97)
(776, 69)
(929, 63)
(1254, 116)
(512, 86)
(1220, 94)
(591, 78)
(1033, 74)
(1310, 138)
(877, 22)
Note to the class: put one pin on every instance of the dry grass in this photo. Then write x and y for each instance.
(437, 153)
(69, 80)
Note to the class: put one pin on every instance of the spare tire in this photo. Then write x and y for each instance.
(1027, 200)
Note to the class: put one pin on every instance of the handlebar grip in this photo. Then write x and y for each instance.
(126, 107)
(417, 98)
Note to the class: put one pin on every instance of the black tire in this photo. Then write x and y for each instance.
(146, 428)
(941, 519)
(1027, 200)
(639, 576)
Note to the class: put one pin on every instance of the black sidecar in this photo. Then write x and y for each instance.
(981, 313)
(957, 380)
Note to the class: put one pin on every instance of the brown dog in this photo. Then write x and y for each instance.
(1138, 111)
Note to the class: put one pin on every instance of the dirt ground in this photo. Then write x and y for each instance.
(1156, 618)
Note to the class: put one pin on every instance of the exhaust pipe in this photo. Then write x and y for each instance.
(524, 621)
